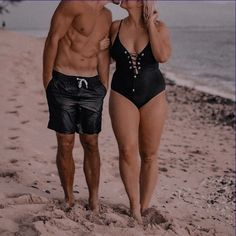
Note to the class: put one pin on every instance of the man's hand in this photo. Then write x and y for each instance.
(104, 44)
(46, 82)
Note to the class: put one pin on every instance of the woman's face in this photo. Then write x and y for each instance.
(117, 2)
(129, 4)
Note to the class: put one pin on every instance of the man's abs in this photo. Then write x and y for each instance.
(76, 58)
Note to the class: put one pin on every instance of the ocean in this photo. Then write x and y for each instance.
(35, 33)
(202, 57)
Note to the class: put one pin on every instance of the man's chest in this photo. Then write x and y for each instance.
(89, 25)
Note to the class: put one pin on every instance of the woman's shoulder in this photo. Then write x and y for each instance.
(116, 22)
(114, 30)
(115, 26)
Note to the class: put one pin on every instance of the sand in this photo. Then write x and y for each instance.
(195, 191)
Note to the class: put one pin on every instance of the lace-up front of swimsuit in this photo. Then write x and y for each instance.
(137, 75)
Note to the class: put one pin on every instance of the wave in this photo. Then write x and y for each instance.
(182, 80)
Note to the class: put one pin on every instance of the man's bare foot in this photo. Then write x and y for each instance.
(70, 201)
(94, 205)
(66, 205)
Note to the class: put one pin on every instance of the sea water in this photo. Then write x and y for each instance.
(203, 58)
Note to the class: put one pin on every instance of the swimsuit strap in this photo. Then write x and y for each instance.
(117, 35)
(118, 32)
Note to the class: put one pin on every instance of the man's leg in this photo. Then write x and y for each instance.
(91, 167)
(65, 165)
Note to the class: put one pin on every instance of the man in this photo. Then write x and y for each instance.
(75, 77)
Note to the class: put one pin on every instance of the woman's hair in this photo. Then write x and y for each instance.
(148, 9)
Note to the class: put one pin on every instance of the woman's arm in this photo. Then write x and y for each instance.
(158, 32)
(159, 39)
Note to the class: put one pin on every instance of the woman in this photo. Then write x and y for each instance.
(138, 106)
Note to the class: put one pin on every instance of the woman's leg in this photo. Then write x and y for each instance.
(125, 122)
(152, 119)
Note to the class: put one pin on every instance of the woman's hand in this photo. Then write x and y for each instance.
(104, 44)
(150, 12)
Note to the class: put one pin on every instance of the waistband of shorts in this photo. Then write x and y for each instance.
(71, 78)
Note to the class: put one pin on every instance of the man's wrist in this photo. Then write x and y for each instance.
(46, 81)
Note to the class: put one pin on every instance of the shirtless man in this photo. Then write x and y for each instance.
(75, 77)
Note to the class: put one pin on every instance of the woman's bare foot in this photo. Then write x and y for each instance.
(136, 214)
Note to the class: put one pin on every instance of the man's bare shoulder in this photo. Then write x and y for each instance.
(107, 13)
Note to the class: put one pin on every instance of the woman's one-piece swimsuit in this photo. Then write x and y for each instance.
(137, 76)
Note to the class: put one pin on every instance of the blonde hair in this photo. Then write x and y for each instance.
(148, 9)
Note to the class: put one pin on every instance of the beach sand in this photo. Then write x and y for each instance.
(195, 190)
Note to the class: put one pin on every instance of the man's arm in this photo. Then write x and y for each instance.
(60, 23)
(103, 66)
(104, 58)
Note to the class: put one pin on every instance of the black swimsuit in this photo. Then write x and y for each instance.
(137, 76)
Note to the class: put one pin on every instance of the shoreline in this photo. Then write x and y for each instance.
(190, 84)
(214, 108)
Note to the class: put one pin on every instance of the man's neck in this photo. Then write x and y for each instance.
(96, 4)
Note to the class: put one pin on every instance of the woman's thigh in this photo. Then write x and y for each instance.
(125, 119)
(152, 119)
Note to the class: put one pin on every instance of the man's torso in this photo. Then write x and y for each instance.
(78, 49)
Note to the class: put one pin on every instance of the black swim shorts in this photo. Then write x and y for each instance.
(75, 103)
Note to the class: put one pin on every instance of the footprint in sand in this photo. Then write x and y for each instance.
(11, 99)
(42, 218)
(107, 219)
(106, 216)
(121, 209)
(27, 229)
(13, 113)
(19, 106)
(13, 137)
(12, 148)
(21, 82)
(24, 122)
(163, 169)
(154, 219)
(25, 198)
(9, 175)
(15, 95)
(13, 161)
(14, 129)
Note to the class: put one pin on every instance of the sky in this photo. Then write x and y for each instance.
(36, 15)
